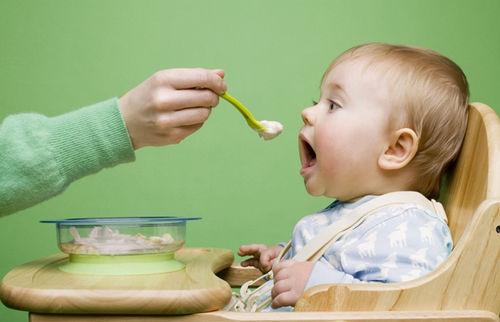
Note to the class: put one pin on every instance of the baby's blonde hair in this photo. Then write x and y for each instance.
(433, 93)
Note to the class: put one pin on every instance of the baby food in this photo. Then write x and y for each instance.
(102, 240)
(272, 129)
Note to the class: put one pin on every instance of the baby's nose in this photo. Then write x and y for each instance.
(307, 116)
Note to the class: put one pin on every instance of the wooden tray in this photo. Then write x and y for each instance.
(40, 287)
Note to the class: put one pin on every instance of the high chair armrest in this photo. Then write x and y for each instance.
(236, 275)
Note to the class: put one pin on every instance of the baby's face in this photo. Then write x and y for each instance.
(345, 132)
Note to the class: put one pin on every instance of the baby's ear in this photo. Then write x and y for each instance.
(401, 150)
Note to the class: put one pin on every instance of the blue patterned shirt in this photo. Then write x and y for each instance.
(396, 243)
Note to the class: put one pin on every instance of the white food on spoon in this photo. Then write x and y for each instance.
(271, 129)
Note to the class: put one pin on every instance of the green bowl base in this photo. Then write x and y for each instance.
(121, 264)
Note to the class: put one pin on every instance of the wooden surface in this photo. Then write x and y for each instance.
(41, 287)
(459, 316)
(470, 278)
(476, 176)
(236, 275)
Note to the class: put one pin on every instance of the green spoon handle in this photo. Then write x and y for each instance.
(252, 122)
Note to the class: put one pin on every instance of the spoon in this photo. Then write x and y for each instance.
(251, 121)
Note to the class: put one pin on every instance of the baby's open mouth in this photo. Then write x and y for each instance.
(307, 153)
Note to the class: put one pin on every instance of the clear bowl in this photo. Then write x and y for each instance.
(120, 235)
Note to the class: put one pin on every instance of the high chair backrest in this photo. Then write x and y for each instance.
(476, 174)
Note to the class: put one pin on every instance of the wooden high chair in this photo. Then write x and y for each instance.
(466, 287)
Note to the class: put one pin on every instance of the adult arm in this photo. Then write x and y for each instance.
(40, 156)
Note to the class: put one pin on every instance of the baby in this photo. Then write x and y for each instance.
(390, 118)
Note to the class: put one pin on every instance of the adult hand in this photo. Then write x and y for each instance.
(170, 105)
(290, 280)
(262, 256)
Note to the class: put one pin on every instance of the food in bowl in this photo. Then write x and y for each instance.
(121, 235)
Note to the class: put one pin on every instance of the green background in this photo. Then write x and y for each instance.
(56, 56)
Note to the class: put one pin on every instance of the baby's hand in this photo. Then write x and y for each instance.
(262, 256)
(170, 105)
(290, 279)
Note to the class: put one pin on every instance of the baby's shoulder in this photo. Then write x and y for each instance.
(320, 219)
(403, 216)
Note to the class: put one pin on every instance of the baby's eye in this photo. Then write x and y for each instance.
(334, 105)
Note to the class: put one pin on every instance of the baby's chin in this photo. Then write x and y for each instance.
(313, 191)
(319, 192)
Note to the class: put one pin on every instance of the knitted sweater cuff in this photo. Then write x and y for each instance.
(89, 139)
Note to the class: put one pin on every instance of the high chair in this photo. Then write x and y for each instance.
(465, 288)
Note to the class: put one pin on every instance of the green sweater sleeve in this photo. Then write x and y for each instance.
(40, 156)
